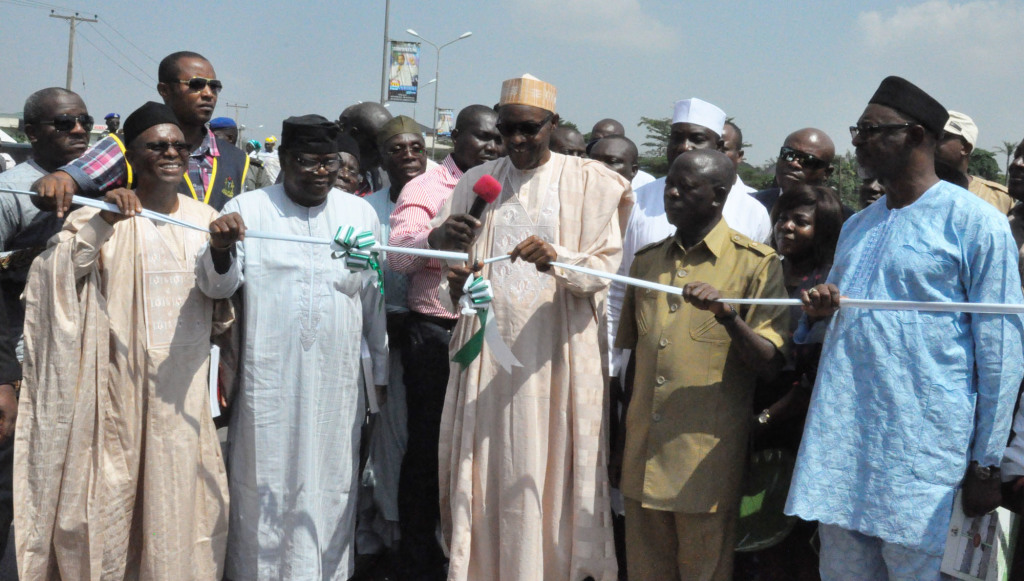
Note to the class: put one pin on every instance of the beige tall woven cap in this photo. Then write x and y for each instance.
(528, 90)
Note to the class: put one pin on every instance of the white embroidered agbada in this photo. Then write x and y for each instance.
(294, 439)
(523, 459)
(118, 470)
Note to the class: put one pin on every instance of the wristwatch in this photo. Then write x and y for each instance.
(763, 417)
(726, 317)
(984, 473)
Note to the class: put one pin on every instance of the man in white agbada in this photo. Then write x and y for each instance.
(523, 458)
(293, 447)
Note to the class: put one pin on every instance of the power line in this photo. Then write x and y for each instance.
(81, 69)
(126, 57)
(118, 32)
(130, 74)
(38, 5)
(49, 6)
(46, 6)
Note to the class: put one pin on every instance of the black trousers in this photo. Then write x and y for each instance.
(6, 491)
(425, 362)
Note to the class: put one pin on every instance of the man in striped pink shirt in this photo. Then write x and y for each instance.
(429, 332)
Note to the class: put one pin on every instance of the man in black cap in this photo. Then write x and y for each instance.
(117, 341)
(295, 427)
(909, 405)
(216, 168)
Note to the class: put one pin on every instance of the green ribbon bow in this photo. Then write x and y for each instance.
(351, 245)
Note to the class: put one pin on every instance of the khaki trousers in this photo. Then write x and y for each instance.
(663, 545)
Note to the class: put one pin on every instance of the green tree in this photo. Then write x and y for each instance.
(652, 159)
(1007, 148)
(566, 123)
(759, 178)
(844, 179)
(983, 163)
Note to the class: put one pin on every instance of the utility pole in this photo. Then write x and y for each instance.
(238, 118)
(384, 69)
(72, 20)
(236, 107)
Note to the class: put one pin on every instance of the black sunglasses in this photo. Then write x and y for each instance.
(68, 122)
(161, 147)
(806, 160)
(197, 84)
(525, 128)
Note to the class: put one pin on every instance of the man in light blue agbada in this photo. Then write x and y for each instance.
(909, 405)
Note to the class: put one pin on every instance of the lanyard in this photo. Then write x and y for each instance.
(127, 165)
(209, 190)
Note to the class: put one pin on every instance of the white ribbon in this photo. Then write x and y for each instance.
(946, 307)
(942, 307)
(158, 217)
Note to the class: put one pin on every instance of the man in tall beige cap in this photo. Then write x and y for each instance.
(954, 149)
(523, 479)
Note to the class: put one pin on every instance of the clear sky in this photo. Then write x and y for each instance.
(774, 66)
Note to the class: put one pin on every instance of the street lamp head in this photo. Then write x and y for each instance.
(466, 35)
(412, 32)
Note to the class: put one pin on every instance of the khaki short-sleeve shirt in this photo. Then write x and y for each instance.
(992, 192)
(689, 416)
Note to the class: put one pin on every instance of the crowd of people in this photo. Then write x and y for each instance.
(384, 419)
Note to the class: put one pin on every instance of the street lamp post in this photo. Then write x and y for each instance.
(437, 77)
(430, 82)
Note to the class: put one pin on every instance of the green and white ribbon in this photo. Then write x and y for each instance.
(352, 246)
(477, 296)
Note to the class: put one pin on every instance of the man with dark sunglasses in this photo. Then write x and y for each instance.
(524, 489)
(805, 158)
(57, 123)
(216, 169)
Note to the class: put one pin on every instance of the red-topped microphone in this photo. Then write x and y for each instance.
(487, 189)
